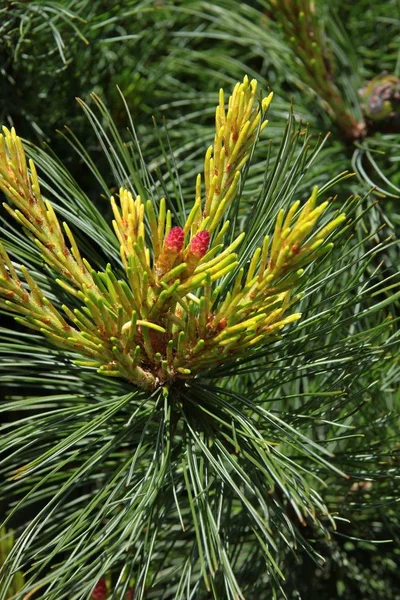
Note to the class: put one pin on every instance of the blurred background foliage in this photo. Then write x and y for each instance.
(167, 59)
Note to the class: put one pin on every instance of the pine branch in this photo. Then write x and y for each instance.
(251, 459)
(304, 32)
(155, 326)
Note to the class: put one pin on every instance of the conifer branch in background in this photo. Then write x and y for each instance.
(6, 544)
(305, 34)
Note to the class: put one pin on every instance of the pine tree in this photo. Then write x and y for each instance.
(200, 372)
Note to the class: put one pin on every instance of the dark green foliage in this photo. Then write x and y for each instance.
(287, 462)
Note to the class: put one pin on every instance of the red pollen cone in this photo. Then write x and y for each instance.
(199, 244)
(174, 240)
(100, 591)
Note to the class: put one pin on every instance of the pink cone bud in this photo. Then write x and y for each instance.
(197, 249)
(173, 244)
(100, 591)
(199, 244)
(174, 240)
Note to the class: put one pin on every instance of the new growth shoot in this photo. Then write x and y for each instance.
(170, 317)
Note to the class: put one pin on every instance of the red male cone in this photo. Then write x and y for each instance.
(197, 249)
(172, 247)
(100, 591)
